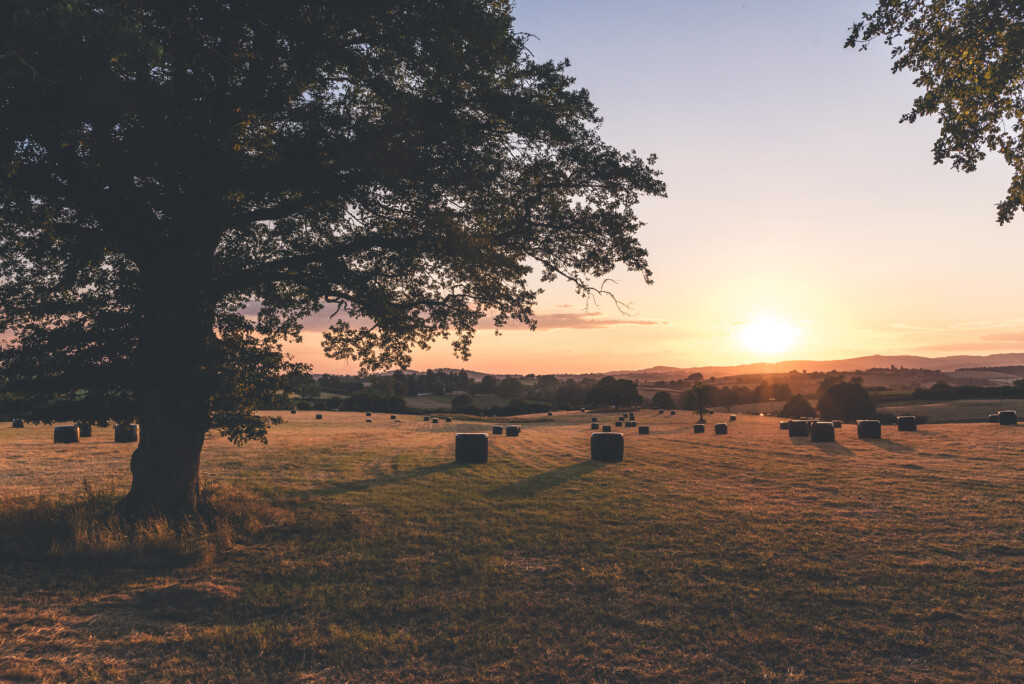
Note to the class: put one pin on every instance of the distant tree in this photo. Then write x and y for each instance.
(798, 407)
(488, 385)
(967, 57)
(663, 400)
(462, 403)
(699, 399)
(846, 401)
(695, 377)
(181, 183)
(610, 391)
(510, 388)
(830, 379)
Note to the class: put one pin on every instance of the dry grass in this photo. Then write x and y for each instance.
(369, 556)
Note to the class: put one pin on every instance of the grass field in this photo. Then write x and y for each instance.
(961, 410)
(749, 556)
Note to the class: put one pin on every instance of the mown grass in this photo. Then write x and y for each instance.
(370, 556)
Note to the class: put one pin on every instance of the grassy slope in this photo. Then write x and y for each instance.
(748, 556)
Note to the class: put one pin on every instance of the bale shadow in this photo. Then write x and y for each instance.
(532, 486)
(833, 448)
(401, 476)
(890, 445)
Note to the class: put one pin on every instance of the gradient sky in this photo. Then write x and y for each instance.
(794, 193)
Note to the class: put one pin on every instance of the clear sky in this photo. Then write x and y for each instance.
(795, 197)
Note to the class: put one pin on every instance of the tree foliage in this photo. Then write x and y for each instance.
(846, 401)
(969, 59)
(798, 407)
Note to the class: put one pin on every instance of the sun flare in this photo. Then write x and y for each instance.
(767, 336)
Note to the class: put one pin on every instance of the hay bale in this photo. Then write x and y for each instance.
(661, 411)
(869, 429)
(993, 417)
(632, 416)
(630, 423)
(618, 423)
(644, 430)
(496, 430)
(721, 428)
(698, 429)
(17, 423)
(606, 428)
(823, 431)
(711, 413)
(607, 447)
(65, 434)
(434, 421)
(799, 428)
(784, 425)
(394, 417)
(126, 432)
(471, 447)
(732, 418)
(837, 424)
(426, 419)
(447, 420)
(671, 413)
(594, 426)
(319, 416)
(906, 423)
(84, 430)
(369, 420)
(594, 419)
(550, 413)
(368, 414)
(294, 412)
(512, 431)
(1007, 417)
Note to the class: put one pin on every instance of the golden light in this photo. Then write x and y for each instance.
(767, 336)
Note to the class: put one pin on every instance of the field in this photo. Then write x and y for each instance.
(961, 410)
(749, 556)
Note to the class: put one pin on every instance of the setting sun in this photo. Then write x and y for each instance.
(767, 336)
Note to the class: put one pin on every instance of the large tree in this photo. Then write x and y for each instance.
(183, 182)
(969, 59)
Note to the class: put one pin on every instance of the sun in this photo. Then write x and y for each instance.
(767, 336)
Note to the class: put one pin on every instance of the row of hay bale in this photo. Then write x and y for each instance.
(72, 434)
(1003, 418)
(825, 430)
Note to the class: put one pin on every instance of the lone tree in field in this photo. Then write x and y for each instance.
(699, 399)
(846, 401)
(183, 182)
(967, 55)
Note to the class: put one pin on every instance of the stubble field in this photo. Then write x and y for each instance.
(749, 556)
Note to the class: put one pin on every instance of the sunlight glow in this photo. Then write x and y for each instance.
(767, 336)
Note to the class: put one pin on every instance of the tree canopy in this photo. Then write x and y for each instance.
(969, 59)
(183, 182)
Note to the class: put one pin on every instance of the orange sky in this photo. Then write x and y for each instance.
(794, 195)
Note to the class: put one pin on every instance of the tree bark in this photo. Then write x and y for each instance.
(173, 394)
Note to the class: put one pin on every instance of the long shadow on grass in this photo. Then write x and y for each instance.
(832, 448)
(401, 476)
(542, 481)
(892, 446)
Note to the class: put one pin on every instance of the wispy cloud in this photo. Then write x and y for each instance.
(589, 321)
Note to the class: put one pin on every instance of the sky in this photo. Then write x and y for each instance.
(803, 221)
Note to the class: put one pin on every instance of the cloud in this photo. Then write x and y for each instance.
(1011, 336)
(588, 321)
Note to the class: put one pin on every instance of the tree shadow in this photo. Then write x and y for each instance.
(363, 485)
(532, 486)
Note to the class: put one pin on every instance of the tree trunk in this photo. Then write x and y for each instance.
(173, 394)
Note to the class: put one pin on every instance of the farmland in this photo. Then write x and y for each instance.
(745, 556)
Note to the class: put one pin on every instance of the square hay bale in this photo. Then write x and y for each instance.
(869, 429)
(426, 419)
(471, 447)
(698, 429)
(1007, 417)
(65, 434)
(512, 431)
(784, 425)
(732, 418)
(369, 420)
(126, 432)
(799, 428)
(319, 416)
(721, 428)
(993, 417)
(823, 431)
(711, 412)
(618, 423)
(606, 428)
(632, 416)
(837, 424)
(84, 430)
(368, 414)
(435, 421)
(661, 411)
(447, 420)
(607, 447)
(595, 426)
(550, 413)
(394, 417)
(906, 423)
(294, 412)
(496, 430)
(630, 423)
(643, 430)
(671, 413)
(17, 423)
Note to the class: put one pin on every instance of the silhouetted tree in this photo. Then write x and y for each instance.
(610, 391)
(846, 401)
(699, 398)
(967, 57)
(510, 388)
(663, 400)
(183, 182)
(798, 407)
(488, 385)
